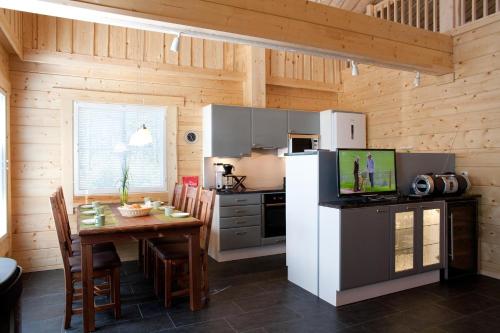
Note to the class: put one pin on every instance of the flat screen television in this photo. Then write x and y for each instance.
(366, 171)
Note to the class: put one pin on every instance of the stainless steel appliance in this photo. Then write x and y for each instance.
(448, 183)
(273, 218)
(298, 143)
(219, 172)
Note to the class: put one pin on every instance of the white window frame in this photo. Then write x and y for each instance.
(4, 229)
(125, 107)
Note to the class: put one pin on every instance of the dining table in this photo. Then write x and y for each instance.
(154, 225)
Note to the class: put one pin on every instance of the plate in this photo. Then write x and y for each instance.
(86, 206)
(165, 207)
(88, 212)
(179, 214)
(87, 221)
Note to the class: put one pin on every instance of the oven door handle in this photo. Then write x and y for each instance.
(275, 205)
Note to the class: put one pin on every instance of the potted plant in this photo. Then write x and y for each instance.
(124, 182)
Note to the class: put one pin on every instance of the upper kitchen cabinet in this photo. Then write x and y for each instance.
(269, 128)
(227, 131)
(300, 122)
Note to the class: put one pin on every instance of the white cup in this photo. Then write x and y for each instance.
(169, 211)
(156, 204)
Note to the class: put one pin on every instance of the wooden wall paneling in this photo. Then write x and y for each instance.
(83, 37)
(229, 57)
(64, 35)
(298, 68)
(307, 67)
(213, 53)
(11, 33)
(289, 64)
(117, 42)
(154, 47)
(197, 52)
(101, 40)
(185, 56)
(317, 69)
(135, 44)
(28, 30)
(46, 33)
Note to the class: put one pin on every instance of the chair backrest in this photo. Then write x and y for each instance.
(204, 213)
(178, 197)
(64, 246)
(64, 212)
(191, 200)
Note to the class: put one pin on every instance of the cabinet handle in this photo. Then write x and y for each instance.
(241, 233)
(381, 211)
(241, 200)
(452, 254)
(407, 207)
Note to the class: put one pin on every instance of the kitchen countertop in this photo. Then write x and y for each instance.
(351, 203)
(253, 190)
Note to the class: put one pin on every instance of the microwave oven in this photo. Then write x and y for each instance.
(298, 143)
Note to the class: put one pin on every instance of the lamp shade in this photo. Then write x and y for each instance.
(141, 137)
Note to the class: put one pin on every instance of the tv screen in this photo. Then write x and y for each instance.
(366, 171)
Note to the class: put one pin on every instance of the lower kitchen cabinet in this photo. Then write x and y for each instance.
(417, 238)
(364, 246)
(237, 238)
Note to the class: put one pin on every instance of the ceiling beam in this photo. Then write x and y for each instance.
(280, 24)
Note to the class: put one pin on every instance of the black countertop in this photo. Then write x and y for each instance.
(252, 190)
(359, 203)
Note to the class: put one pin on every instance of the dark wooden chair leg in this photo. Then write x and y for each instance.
(157, 273)
(68, 310)
(206, 289)
(168, 283)
(116, 292)
(140, 247)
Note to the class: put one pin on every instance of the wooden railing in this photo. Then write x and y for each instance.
(468, 11)
(434, 15)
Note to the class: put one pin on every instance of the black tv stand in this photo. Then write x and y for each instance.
(379, 197)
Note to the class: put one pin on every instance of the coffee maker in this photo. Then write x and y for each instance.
(219, 176)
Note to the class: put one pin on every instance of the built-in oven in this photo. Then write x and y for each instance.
(273, 218)
(298, 143)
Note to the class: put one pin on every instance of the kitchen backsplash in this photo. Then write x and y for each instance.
(263, 169)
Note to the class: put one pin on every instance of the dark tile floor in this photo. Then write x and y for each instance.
(254, 296)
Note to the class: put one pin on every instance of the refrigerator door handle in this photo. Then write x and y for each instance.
(452, 255)
(352, 131)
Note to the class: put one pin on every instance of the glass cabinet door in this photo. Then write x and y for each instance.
(431, 251)
(404, 241)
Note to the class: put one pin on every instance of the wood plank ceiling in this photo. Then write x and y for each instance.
(358, 6)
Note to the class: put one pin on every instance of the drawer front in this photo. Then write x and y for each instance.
(232, 211)
(239, 199)
(238, 238)
(237, 222)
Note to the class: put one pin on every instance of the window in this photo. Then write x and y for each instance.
(3, 164)
(101, 136)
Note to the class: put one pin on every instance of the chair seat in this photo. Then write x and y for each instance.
(165, 240)
(96, 248)
(102, 260)
(169, 252)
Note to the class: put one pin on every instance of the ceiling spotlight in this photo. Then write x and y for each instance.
(416, 82)
(354, 68)
(174, 47)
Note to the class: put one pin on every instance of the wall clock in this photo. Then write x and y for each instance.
(191, 136)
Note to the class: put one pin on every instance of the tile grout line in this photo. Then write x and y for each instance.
(229, 324)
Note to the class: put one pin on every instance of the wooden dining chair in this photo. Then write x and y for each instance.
(106, 265)
(177, 255)
(74, 239)
(179, 196)
(145, 254)
(191, 199)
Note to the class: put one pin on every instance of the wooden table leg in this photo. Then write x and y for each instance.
(88, 288)
(194, 270)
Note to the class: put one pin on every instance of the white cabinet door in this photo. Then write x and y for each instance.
(349, 130)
